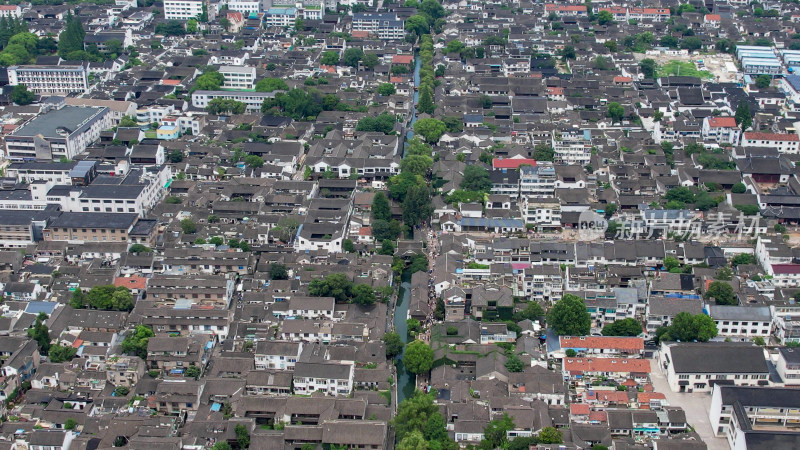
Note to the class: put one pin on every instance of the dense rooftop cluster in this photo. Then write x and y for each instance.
(232, 224)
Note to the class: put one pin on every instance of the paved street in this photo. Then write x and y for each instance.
(695, 405)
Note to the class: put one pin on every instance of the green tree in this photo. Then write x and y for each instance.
(615, 111)
(352, 56)
(648, 67)
(188, 226)
(386, 89)
(743, 258)
(763, 81)
(139, 248)
(413, 441)
(416, 164)
(417, 25)
(271, 85)
(21, 95)
(393, 343)
(569, 317)
(242, 436)
(743, 117)
(221, 445)
(430, 129)
(692, 43)
(135, 343)
(70, 424)
(550, 435)
(417, 207)
(476, 178)
(61, 353)
(532, 311)
(605, 18)
(253, 161)
(380, 207)
(514, 364)
(722, 293)
(220, 106)
(278, 271)
(363, 295)
(623, 327)
(191, 26)
(414, 413)
(209, 81)
(418, 357)
(175, 156)
(71, 39)
(568, 52)
(496, 433)
(370, 60)
(383, 123)
(543, 152)
(78, 299)
(330, 58)
(335, 285)
(739, 188)
(192, 372)
(39, 333)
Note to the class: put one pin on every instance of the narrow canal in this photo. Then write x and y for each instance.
(405, 380)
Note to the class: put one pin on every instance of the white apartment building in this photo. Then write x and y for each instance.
(10, 11)
(742, 322)
(699, 366)
(537, 181)
(280, 355)
(545, 213)
(50, 79)
(253, 100)
(331, 378)
(182, 9)
(788, 365)
(58, 133)
(572, 148)
(48, 172)
(238, 77)
(786, 323)
(772, 407)
(785, 143)
(153, 113)
(280, 17)
(722, 130)
(381, 25)
(244, 6)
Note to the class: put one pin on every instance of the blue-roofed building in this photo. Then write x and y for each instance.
(790, 85)
(41, 307)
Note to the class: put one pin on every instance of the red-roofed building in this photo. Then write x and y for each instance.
(584, 369)
(359, 34)
(10, 11)
(652, 14)
(611, 398)
(712, 20)
(603, 345)
(135, 284)
(555, 93)
(619, 13)
(651, 400)
(598, 417)
(722, 130)
(402, 60)
(511, 163)
(785, 143)
(236, 19)
(622, 80)
(365, 234)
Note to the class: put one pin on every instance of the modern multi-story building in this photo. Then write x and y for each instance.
(10, 11)
(785, 143)
(59, 133)
(253, 100)
(331, 378)
(381, 25)
(770, 408)
(573, 148)
(722, 130)
(50, 79)
(182, 9)
(90, 227)
(238, 77)
(245, 7)
(698, 367)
